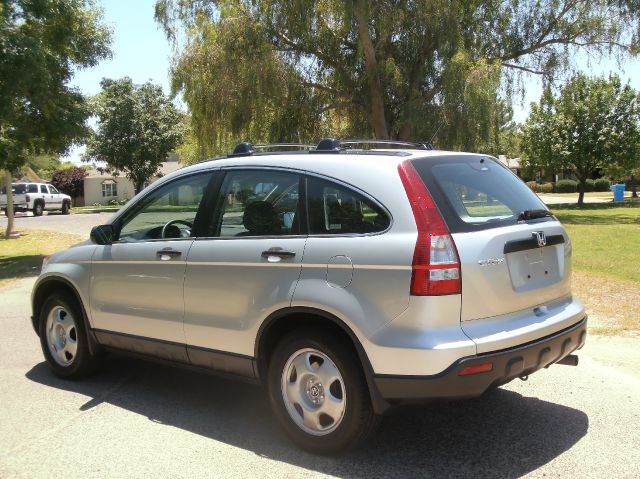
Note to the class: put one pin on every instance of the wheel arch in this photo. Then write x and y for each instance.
(282, 321)
(56, 283)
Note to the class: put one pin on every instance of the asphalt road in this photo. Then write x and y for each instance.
(71, 224)
(138, 419)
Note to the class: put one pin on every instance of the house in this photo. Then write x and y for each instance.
(101, 187)
(512, 163)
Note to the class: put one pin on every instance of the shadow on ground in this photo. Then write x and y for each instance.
(20, 266)
(501, 434)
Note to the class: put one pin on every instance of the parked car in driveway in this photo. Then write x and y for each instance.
(36, 197)
(345, 280)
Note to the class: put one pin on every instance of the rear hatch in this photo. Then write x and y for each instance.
(514, 255)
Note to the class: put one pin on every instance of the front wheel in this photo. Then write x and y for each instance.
(63, 337)
(65, 208)
(319, 393)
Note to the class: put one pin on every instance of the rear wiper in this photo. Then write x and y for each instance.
(527, 215)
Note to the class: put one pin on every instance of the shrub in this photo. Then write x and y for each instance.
(113, 202)
(590, 186)
(540, 187)
(602, 184)
(566, 186)
(97, 204)
(123, 201)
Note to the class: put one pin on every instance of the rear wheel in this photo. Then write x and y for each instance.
(63, 337)
(319, 393)
(38, 208)
(65, 208)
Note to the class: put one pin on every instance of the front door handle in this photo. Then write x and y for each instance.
(167, 254)
(278, 252)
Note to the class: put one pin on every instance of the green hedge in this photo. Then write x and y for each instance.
(602, 184)
(540, 187)
(566, 186)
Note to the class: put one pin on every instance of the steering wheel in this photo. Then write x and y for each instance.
(173, 222)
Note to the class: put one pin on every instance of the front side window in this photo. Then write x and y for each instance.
(258, 203)
(336, 209)
(167, 212)
(53, 189)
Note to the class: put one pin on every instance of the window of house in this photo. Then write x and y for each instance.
(109, 188)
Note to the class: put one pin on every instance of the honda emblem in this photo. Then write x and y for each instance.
(541, 238)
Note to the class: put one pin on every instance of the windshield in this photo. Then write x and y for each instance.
(475, 192)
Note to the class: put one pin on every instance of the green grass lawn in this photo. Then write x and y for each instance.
(606, 264)
(23, 256)
(605, 238)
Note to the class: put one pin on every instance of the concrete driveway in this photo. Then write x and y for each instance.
(139, 419)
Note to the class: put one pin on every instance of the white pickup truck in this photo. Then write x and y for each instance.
(36, 197)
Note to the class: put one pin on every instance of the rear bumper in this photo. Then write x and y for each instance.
(508, 364)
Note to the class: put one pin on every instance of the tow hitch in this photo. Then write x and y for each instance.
(570, 360)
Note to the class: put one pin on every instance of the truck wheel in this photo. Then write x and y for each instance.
(38, 208)
(318, 392)
(65, 208)
(63, 337)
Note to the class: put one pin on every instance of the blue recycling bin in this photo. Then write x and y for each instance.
(618, 192)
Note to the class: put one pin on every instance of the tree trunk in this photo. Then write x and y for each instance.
(138, 186)
(8, 233)
(582, 186)
(377, 118)
(634, 187)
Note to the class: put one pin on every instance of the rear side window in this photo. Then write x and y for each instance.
(259, 203)
(32, 188)
(43, 188)
(476, 193)
(336, 209)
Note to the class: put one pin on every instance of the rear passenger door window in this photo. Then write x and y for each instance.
(337, 209)
(258, 203)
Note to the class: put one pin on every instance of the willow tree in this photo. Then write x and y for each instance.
(394, 69)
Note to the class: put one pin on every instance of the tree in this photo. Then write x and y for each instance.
(138, 127)
(41, 44)
(70, 181)
(592, 123)
(286, 70)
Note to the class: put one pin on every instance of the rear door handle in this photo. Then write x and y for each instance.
(166, 254)
(278, 252)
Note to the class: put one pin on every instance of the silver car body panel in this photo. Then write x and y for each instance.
(230, 289)
(219, 292)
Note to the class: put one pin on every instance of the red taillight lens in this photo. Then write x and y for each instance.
(436, 267)
(477, 369)
(27, 198)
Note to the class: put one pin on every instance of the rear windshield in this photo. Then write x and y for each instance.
(475, 193)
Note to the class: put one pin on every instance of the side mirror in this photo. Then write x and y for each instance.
(102, 234)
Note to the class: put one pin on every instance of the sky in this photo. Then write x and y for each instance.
(142, 52)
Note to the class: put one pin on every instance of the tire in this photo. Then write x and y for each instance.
(38, 208)
(65, 208)
(63, 337)
(319, 418)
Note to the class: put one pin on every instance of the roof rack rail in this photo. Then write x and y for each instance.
(331, 145)
(247, 149)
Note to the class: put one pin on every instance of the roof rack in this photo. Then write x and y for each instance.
(331, 145)
(326, 145)
(247, 149)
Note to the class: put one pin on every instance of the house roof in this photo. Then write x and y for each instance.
(166, 167)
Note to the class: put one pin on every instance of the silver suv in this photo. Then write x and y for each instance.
(346, 280)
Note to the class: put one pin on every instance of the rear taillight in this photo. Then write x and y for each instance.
(436, 267)
(27, 198)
